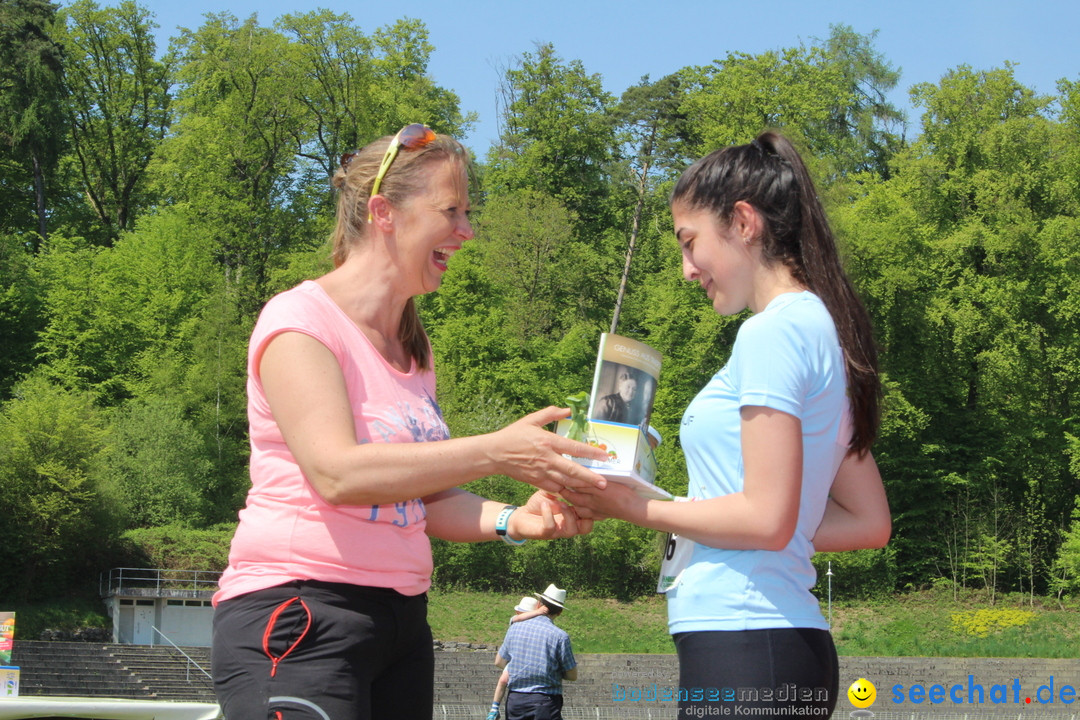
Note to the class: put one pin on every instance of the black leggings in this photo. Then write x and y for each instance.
(323, 651)
(760, 669)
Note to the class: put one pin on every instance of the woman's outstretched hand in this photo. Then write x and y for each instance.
(545, 517)
(616, 501)
(525, 451)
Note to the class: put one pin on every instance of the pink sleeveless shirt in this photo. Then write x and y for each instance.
(287, 531)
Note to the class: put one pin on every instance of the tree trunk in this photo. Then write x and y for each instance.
(39, 200)
(636, 225)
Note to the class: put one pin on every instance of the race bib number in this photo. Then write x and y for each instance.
(677, 552)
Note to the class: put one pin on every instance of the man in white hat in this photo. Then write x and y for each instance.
(526, 608)
(542, 659)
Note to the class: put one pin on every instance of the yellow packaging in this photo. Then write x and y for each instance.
(9, 682)
(630, 457)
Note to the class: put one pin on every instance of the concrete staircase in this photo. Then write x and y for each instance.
(73, 668)
(110, 670)
(167, 673)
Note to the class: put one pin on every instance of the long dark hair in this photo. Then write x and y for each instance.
(770, 175)
(407, 176)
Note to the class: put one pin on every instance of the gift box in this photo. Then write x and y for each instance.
(616, 413)
(630, 456)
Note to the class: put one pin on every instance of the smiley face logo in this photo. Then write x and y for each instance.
(862, 693)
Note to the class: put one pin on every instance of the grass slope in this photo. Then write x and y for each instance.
(926, 624)
(933, 623)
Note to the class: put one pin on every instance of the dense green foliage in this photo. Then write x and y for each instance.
(152, 199)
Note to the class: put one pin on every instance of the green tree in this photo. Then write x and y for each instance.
(118, 107)
(556, 136)
(159, 466)
(336, 60)
(32, 130)
(56, 517)
(1065, 579)
(357, 87)
(192, 351)
(830, 96)
(407, 92)
(215, 398)
(233, 153)
(528, 248)
(648, 115)
(958, 255)
(20, 310)
(87, 343)
(534, 344)
(868, 128)
(151, 319)
(887, 250)
(734, 99)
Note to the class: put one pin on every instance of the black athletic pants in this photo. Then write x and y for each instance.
(331, 651)
(760, 669)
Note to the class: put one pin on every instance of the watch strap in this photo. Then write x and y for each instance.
(501, 522)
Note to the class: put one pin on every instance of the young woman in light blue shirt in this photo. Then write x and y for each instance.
(777, 443)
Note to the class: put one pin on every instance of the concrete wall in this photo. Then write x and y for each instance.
(633, 685)
(465, 681)
(187, 622)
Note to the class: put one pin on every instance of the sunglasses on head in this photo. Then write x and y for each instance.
(410, 137)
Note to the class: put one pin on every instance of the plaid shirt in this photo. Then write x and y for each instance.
(539, 653)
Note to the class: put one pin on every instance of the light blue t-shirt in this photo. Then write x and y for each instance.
(787, 357)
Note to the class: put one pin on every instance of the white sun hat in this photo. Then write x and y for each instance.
(526, 604)
(553, 595)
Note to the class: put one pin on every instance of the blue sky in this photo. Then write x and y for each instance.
(622, 41)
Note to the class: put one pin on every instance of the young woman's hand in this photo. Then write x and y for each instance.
(545, 517)
(615, 501)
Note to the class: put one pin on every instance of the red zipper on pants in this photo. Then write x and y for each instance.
(270, 627)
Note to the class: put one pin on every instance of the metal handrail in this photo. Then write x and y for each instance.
(194, 581)
(191, 661)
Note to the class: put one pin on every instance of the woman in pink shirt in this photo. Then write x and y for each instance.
(322, 609)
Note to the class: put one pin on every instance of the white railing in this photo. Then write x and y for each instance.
(157, 581)
(190, 660)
